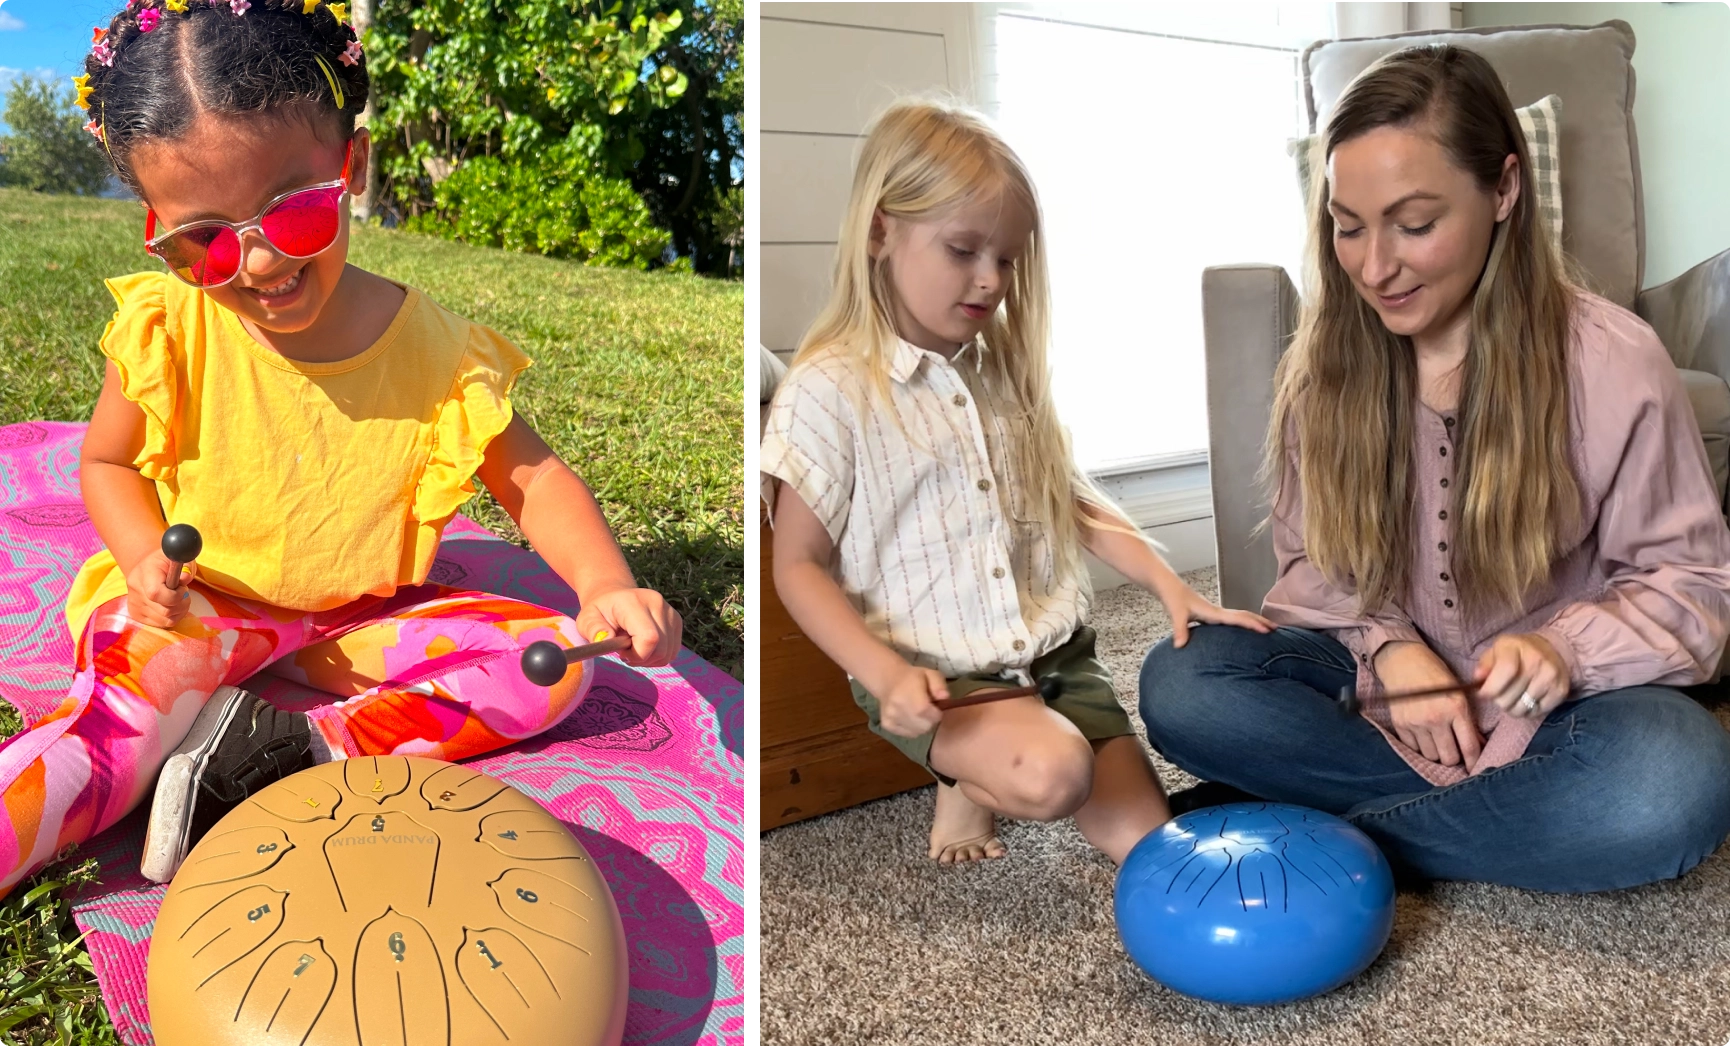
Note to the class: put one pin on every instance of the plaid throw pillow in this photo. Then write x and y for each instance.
(1542, 123)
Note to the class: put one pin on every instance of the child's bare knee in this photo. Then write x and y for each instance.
(1052, 781)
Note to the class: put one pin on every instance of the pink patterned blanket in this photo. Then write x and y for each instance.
(648, 772)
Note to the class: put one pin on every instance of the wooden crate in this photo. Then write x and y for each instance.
(818, 755)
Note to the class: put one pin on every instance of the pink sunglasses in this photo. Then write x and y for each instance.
(297, 224)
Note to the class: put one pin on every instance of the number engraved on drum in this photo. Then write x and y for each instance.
(378, 822)
(511, 835)
(378, 784)
(305, 961)
(258, 913)
(446, 796)
(397, 948)
(265, 848)
(482, 945)
(527, 895)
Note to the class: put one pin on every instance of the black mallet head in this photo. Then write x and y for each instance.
(1051, 688)
(1347, 700)
(544, 663)
(182, 543)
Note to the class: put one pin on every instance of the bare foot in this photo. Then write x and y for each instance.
(962, 830)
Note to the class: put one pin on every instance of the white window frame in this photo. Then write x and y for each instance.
(1283, 28)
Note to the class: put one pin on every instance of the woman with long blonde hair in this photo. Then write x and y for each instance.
(929, 516)
(1488, 482)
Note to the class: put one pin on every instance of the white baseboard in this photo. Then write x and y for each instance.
(1171, 499)
(1160, 491)
(1186, 545)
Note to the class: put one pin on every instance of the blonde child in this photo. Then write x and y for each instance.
(929, 516)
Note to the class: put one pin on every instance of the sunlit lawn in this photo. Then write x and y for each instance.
(637, 383)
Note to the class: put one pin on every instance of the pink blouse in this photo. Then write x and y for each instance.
(1643, 597)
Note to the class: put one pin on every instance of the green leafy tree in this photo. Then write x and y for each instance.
(48, 149)
(693, 148)
(518, 124)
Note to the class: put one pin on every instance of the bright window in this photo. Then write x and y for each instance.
(1157, 136)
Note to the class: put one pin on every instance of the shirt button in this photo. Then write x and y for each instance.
(1449, 422)
(1019, 645)
(1444, 576)
(1448, 603)
(960, 400)
(996, 571)
(1444, 451)
(1444, 483)
(1443, 514)
(1442, 547)
(984, 484)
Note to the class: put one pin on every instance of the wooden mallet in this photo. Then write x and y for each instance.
(1347, 699)
(544, 662)
(1050, 688)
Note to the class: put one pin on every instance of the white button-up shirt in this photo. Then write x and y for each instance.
(936, 544)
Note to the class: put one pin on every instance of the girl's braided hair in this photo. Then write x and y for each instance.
(163, 62)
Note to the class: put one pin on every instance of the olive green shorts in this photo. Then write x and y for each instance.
(1089, 700)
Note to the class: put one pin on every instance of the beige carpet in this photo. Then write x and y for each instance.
(865, 941)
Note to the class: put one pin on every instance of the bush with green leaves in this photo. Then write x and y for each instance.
(556, 203)
(49, 150)
(567, 128)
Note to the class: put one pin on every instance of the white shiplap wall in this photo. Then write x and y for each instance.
(826, 70)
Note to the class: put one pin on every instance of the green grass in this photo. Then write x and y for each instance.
(638, 384)
(48, 991)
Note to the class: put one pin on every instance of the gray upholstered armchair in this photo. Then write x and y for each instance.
(1250, 311)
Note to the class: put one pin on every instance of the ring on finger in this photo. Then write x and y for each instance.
(1528, 704)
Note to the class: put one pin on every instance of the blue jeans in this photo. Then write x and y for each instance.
(1617, 789)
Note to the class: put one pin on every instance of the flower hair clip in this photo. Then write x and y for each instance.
(149, 19)
(100, 48)
(95, 130)
(353, 55)
(341, 13)
(177, 6)
(307, 7)
(239, 7)
(84, 92)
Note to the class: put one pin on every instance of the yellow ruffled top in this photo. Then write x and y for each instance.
(313, 484)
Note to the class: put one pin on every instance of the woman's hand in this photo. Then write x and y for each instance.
(1185, 605)
(149, 600)
(1441, 727)
(655, 628)
(1523, 674)
(905, 707)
